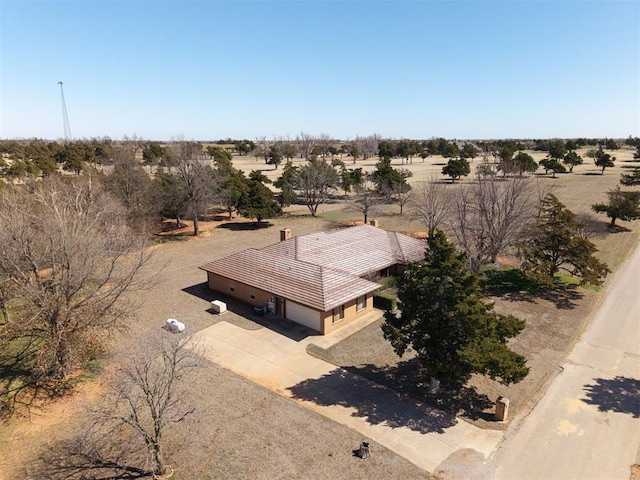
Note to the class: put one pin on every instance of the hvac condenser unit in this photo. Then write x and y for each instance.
(219, 307)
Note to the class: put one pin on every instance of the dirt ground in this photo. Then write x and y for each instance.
(245, 431)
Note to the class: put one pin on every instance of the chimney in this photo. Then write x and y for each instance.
(374, 223)
(285, 234)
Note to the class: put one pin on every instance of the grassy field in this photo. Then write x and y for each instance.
(242, 430)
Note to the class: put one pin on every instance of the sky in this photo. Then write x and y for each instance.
(208, 70)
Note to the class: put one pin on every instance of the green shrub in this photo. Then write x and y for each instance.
(384, 301)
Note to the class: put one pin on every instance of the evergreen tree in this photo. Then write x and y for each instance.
(385, 176)
(622, 205)
(572, 159)
(631, 179)
(552, 164)
(258, 202)
(232, 187)
(523, 162)
(556, 243)
(601, 159)
(445, 321)
(285, 183)
(275, 156)
(456, 168)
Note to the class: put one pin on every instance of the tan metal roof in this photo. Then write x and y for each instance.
(320, 270)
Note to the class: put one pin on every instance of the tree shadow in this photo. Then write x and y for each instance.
(245, 226)
(20, 386)
(89, 455)
(619, 394)
(374, 402)
(592, 173)
(408, 378)
(516, 286)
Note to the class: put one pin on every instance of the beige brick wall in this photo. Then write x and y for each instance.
(350, 314)
(243, 292)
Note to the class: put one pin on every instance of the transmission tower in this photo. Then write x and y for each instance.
(65, 117)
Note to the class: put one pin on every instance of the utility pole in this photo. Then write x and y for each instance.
(65, 117)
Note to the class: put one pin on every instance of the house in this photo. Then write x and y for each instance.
(321, 280)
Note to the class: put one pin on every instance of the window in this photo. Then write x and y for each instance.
(232, 286)
(338, 314)
(361, 304)
(252, 293)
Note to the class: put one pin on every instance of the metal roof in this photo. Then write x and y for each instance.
(321, 270)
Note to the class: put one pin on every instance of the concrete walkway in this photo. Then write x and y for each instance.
(423, 435)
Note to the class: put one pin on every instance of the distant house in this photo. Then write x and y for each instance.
(322, 280)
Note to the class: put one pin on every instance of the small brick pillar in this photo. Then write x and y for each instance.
(374, 223)
(502, 409)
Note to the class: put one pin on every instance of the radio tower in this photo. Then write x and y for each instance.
(65, 117)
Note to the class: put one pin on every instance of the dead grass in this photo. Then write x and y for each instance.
(239, 430)
(245, 431)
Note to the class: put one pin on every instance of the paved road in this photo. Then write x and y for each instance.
(423, 435)
(587, 425)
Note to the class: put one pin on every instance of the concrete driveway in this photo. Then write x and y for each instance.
(423, 435)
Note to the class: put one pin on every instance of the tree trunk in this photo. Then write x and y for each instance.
(196, 227)
(158, 461)
(434, 386)
(613, 222)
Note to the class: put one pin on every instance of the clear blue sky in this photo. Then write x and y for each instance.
(213, 69)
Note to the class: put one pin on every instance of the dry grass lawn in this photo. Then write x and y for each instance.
(242, 430)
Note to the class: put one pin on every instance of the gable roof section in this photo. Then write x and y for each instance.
(321, 270)
(312, 285)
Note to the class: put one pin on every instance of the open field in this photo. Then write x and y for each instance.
(245, 431)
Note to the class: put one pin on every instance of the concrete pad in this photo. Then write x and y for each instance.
(423, 435)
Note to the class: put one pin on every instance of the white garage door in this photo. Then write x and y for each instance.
(303, 315)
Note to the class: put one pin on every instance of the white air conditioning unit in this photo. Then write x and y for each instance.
(219, 307)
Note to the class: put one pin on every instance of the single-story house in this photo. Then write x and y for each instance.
(321, 280)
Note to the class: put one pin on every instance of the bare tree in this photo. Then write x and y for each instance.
(324, 143)
(130, 183)
(262, 148)
(491, 217)
(401, 193)
(197, 178)
(306, 142)
(149, 391)
(134, 144)
(67, 257)
(314, 181)
(431, 204)
(366, 197)
(367, 146)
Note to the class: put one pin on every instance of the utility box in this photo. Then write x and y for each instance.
(219, 307)
(502, 409)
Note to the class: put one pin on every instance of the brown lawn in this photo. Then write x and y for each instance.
(242, 430)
